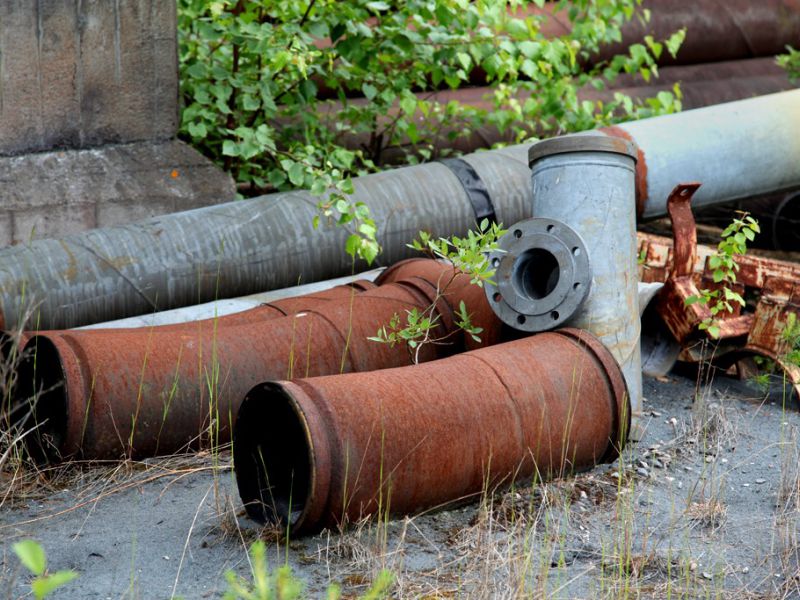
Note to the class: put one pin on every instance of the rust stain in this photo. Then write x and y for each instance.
(641, 166)
(72, 268)
(146, 390)
(319, 451)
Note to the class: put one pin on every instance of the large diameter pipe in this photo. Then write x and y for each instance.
(139, 392)
(241, 247)
(737, 150)
(318, 452)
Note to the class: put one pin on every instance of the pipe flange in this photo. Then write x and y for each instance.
(543, 275)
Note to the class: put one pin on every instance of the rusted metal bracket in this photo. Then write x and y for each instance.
(772, 287)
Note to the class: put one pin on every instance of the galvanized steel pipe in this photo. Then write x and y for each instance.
(736, 150)
(139, 392)
(319, 452)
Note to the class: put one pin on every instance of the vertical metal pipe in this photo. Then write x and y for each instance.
(317, 452)
(591, 187)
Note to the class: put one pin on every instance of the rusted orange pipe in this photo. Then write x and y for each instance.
(149, 391)
(322, 451)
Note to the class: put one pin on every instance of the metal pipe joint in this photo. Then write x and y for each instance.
(543, 275)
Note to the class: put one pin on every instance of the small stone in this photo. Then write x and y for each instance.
(745, 569)
(655, 413)
(707, 575)
(643, 464)
(643, 472)
(724, 460)
(760, 481)
(745, 485)
(692, 566)
(709, 458)
(657, 464)
(615, 475)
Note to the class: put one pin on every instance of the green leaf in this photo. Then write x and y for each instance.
(230, 148)
(31, 554)
(352, 245)
(370, 91)
(297, 174)
(44, 586)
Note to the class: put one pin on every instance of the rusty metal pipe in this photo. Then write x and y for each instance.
(322, 451)
(140, 392)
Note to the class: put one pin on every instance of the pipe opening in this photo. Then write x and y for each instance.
(39, 402)
(536, 273)
(272, 454)
(786, 224)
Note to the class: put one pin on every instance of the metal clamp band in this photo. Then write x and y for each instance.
(476, 190)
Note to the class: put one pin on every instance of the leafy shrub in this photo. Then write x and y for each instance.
(255, 75)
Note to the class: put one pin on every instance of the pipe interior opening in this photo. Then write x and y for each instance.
(39, 402)
(272, 454)
(786, 227)
(536, 273)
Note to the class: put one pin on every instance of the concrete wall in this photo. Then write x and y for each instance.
(88, 117)
(80, 73)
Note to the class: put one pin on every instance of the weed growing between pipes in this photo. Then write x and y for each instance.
(468, 256)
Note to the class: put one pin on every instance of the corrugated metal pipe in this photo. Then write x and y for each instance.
(246, 246)
(575, 262)
(319, 452)
(140, 392)
(737, 150)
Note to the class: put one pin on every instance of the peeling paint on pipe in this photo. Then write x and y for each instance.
(141, 392)
(323, 451)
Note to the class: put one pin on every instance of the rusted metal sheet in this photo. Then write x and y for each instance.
(757, 329)
(323, 451)
(142, 392)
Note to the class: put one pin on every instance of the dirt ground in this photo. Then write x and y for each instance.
(706, 505)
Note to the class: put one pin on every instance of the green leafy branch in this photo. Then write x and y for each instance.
(720, 300)
(468, 256)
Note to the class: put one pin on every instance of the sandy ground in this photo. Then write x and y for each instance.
(707, 505)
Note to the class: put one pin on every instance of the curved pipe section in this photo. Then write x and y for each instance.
(318, 452)
(140, 392)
